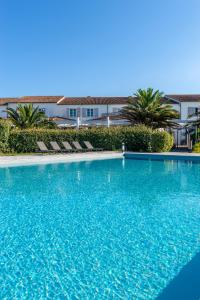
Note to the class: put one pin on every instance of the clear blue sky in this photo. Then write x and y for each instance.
(99, 47)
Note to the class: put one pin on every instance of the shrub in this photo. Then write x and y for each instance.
(162, 141)
(137, 138)
(196, 148)
(5, 127)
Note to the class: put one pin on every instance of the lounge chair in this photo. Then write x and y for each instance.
(68, 147)
(90, 147)
(78, 147)
(43, 147)
(55, 146)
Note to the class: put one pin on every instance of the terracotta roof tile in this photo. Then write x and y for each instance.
(185, 98)
(31, 99)
(93, 100)
(3, 101)
(61, 100)
(99, 100)
(39, 99)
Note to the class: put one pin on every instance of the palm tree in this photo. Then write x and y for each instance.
(146, 108)
(26, 116)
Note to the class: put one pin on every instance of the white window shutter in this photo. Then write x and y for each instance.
(96, 112)
(67, 112)
(84, 112)
(78, 112)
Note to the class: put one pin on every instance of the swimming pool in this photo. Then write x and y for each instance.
(110, 229)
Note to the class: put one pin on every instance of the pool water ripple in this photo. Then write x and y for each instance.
(109, 229)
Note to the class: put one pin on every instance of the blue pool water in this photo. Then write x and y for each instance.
(109, 229)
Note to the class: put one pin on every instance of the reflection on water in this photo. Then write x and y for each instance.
(79, 175)
(123, 163)
(109, 177)
(110, 229)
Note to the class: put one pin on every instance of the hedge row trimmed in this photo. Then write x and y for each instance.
(196, 148)
(137, 138)
(5, 127)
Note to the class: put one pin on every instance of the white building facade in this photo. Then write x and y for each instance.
(95, 110)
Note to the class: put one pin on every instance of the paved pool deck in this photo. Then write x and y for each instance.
(34, 159)
(163, 156)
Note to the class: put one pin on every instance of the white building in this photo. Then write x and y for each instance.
(46, 103)
(87, 109)
(95, 110)
(185, 104)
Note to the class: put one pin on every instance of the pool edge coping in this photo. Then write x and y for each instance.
(29, 160)
(163, 156)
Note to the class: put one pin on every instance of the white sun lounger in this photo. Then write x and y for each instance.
(78, 147)
(68, 147)
(43, 147)
(90, 147)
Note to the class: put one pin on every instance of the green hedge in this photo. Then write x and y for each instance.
(196, 148)
(162, 141)
(5, 127)
(137, 138)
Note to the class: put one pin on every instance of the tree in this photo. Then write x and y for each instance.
(26, 116)
(146, 108)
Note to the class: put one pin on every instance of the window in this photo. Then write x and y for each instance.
(116, 110)
(42, 110)
(72, 112)
(90, 112)
(192, 111)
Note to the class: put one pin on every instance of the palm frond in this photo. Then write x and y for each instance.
(146, 108)
(26, 116)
